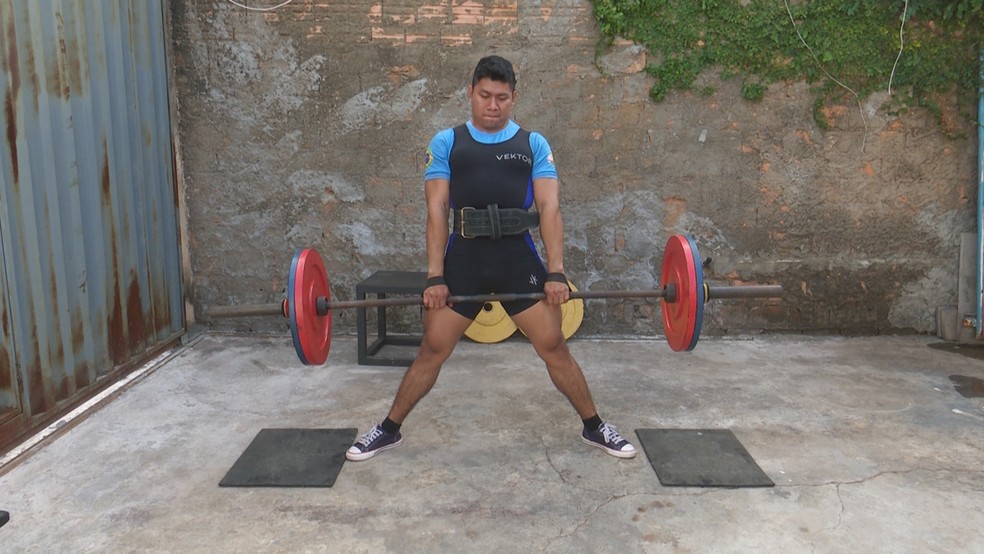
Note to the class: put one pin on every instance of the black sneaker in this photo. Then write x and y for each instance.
(608, 439)
(376, 440)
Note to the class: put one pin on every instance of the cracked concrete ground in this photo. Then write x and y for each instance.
(870, 444)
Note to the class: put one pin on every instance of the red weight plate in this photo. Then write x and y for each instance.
(701, 291)
(311, 332)
(681, 318)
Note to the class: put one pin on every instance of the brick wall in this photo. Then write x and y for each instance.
(306, 126)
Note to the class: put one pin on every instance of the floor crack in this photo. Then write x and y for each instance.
(866, 478)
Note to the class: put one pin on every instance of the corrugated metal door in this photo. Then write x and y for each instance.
(90, 274)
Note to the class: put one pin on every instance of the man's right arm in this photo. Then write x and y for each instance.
(438, 195)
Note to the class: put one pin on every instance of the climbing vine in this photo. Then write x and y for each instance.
(915, 49)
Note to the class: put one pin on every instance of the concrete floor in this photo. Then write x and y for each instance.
(870, 444)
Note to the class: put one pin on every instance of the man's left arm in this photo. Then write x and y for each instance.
(546, 196)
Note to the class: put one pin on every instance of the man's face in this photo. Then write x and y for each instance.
(491, 103)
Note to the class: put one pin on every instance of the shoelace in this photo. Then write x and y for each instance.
(611, 435)
(371, 435)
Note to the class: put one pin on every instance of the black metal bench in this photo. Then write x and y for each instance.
(380, 284)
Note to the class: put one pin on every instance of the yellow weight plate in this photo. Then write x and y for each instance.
(571, 314)
(492, 324)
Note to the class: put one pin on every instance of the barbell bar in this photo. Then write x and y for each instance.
(308, 305)
(324, 305)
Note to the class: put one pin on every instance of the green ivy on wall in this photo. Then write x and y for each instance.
(842, 47)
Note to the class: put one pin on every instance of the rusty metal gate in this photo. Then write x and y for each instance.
(90, 282)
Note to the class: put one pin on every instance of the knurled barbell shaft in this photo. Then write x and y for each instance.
(324, 305)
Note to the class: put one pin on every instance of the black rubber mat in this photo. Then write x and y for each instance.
(701, 458)
(291, 458)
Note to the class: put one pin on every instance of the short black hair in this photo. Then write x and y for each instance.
(496, 68)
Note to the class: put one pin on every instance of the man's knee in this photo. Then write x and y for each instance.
(435, 350)
(551, 346)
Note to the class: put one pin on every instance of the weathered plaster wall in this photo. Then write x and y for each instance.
(307, 127)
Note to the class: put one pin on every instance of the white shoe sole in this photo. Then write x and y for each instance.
(355, 455)
(617, 453)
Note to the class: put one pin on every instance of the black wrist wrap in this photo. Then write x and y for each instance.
(434, 281)
(557, 277)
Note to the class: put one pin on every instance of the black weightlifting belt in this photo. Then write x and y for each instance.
(493, 222)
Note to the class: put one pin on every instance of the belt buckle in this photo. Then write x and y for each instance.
(461, 217)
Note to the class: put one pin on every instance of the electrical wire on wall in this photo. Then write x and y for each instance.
(905, 10)
(829, 76)
(270, 9)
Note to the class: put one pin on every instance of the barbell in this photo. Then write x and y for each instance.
(308, 305)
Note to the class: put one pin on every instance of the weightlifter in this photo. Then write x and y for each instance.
(489, 172)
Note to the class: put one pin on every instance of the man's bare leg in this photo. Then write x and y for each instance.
(542, 324)
(442, 331)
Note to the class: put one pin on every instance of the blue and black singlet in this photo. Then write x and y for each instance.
(491, 168)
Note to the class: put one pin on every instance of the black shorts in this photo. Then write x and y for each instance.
(484, 266)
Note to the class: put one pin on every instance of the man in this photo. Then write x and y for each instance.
(490, 172)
